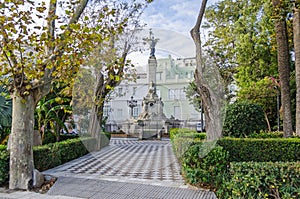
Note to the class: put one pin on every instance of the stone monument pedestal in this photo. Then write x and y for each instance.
(151, 123)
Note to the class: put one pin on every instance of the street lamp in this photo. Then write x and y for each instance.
(131, 103)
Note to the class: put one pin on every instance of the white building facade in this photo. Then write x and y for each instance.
(172, 78)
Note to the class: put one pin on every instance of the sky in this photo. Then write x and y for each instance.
(171, 22)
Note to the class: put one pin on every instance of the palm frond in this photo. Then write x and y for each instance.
(5, 108)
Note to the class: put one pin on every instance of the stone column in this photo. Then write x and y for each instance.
(152, 64)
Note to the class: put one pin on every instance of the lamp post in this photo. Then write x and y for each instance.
(131, 103)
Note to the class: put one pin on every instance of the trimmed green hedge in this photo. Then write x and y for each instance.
(51, 155)
(182, 138)
(54, 154)
(235, 180)
(242, 119)
(4, 164)
(262, 150)
(262, 180)
(266, 134)
(207, 170)
(186, 133)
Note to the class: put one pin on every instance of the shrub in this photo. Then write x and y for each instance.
(262, 150)
(208, 171)
(63, 137)
(49, 156)
(4, 164)
(262, 180)
(186, 133)
(266, 134)
(52, 155)
(49, 137)
(243, 119)
(183, 138)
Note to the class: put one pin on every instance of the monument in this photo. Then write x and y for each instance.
(151, 123)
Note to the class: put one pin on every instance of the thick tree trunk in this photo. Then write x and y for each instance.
(21, 141)
(208, 82)
(296, 31)
(97, 110)
(283, 69)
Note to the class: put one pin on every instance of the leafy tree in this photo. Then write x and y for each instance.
(108, 62)
(264, 93)
(243, 37)
(32, 58)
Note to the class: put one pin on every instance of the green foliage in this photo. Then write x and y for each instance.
(5, 113)
(185, 133)
(182, 138)
(51, 113)
(262, 150)
(243, 119)
(208, 171)
(49, 137)
(193, 95)
(242, 43)
(52, 155)
(266, 134)
(262, 180)
(264, 93)
(63, 137)
(4, 164)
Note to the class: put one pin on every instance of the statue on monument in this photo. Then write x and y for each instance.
(152, 42)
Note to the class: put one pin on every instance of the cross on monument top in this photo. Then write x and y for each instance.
(152, 42)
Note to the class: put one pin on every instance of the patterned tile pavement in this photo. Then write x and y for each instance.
(126, 169)
(127, 159)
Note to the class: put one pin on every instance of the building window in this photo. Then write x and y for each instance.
(120, 91)
(119, 113)
(106, 110)
(135, 111)
(159, 76)
(177, 112)
(171, 94)
(177, 94)
(158, 92)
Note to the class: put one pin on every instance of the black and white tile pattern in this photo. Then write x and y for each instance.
(144, 160)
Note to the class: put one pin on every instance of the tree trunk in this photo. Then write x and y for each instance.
(296, 31)
(97, 109)
(21, 141)
(208, 82)
(283, 69)
(268, 122)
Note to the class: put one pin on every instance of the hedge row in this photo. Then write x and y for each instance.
(214, 168)
(51, 155)
(186, 133)
(262, 180)
(243, 149)
(54, 154)
(262, 150)
(182, 138)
